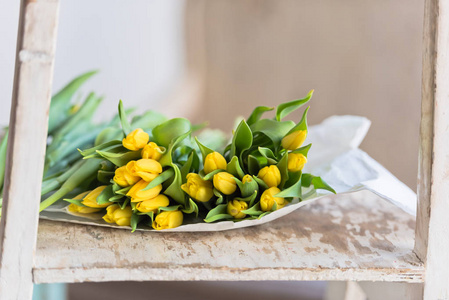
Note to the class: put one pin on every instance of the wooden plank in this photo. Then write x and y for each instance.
(346, 237)
(432, 235)
(26, 146)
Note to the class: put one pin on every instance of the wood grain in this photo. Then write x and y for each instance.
(26, 146)
(432, 234)
(347, 237)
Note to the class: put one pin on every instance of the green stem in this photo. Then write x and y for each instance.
(88, 169)
(3, 150)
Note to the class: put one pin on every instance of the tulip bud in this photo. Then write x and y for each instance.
(214, 161)
(168, 219)
(137, 193)
(153, 204)
(124, 178)
(235, 208)
(73, 208)
(152, 151)
(90, 199)
(294, 140)
(136, 140)
(267, 199)
(197, 188)
(147, 169)
(249, 186)
(81, 209)
(296, 162)
(225, 183)
(114, 214)
(270, 175)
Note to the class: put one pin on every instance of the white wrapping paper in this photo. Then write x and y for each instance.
(334, 156)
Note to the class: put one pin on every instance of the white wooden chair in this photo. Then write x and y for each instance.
(375, 241)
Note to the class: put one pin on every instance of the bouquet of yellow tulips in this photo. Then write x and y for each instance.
(150, 171)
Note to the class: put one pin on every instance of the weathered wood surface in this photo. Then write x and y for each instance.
(26, 146)
(432, 234)
(347, 237)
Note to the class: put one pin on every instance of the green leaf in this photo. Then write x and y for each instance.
(318, 183)
(247, 189)
(166, 132)
(260, 182)
(250, 199)
(242, 140)
(191, 208)
(220, 198)
(75, 201)
(192, 164)
(60, 103)
(210, 175)
(126, 127)
(218, 213)
(148, 120)
(257, 114)
(303, 150)
(124, 204)
(168, 208)
(123, 191)
(105, 176)
(234, 168)
(135, 220)
(283, 169)
(104, 147)
(294, 188)
(120, 159)
(104, 196)
(204, 150)
(174, 189)
(220, 217)
(167, 158)
(116, 198)
(253, 165)
(164, 176)
(112, 149)
(269, 155)
(273, 129)
(286, 108)
(302, 125)
(255, 210)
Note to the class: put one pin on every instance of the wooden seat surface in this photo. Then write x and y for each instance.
(355, 236)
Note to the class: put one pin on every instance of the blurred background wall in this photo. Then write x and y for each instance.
(215, 60)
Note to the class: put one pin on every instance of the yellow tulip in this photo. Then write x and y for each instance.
(168, 219)
(137, 194)
(136, 140)
(146, 168)
(270, 175)
(225, 183)
(296, 162)
(197, 188)
(153, 204)
(114, 214)
(214, 161)
(82, 209)
(267, 199)
(235, 208)
(294, 140)
(152, 151)
(124, 178)
(90, 199)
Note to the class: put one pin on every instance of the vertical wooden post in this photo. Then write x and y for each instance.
(26, 145)
(432, 232)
